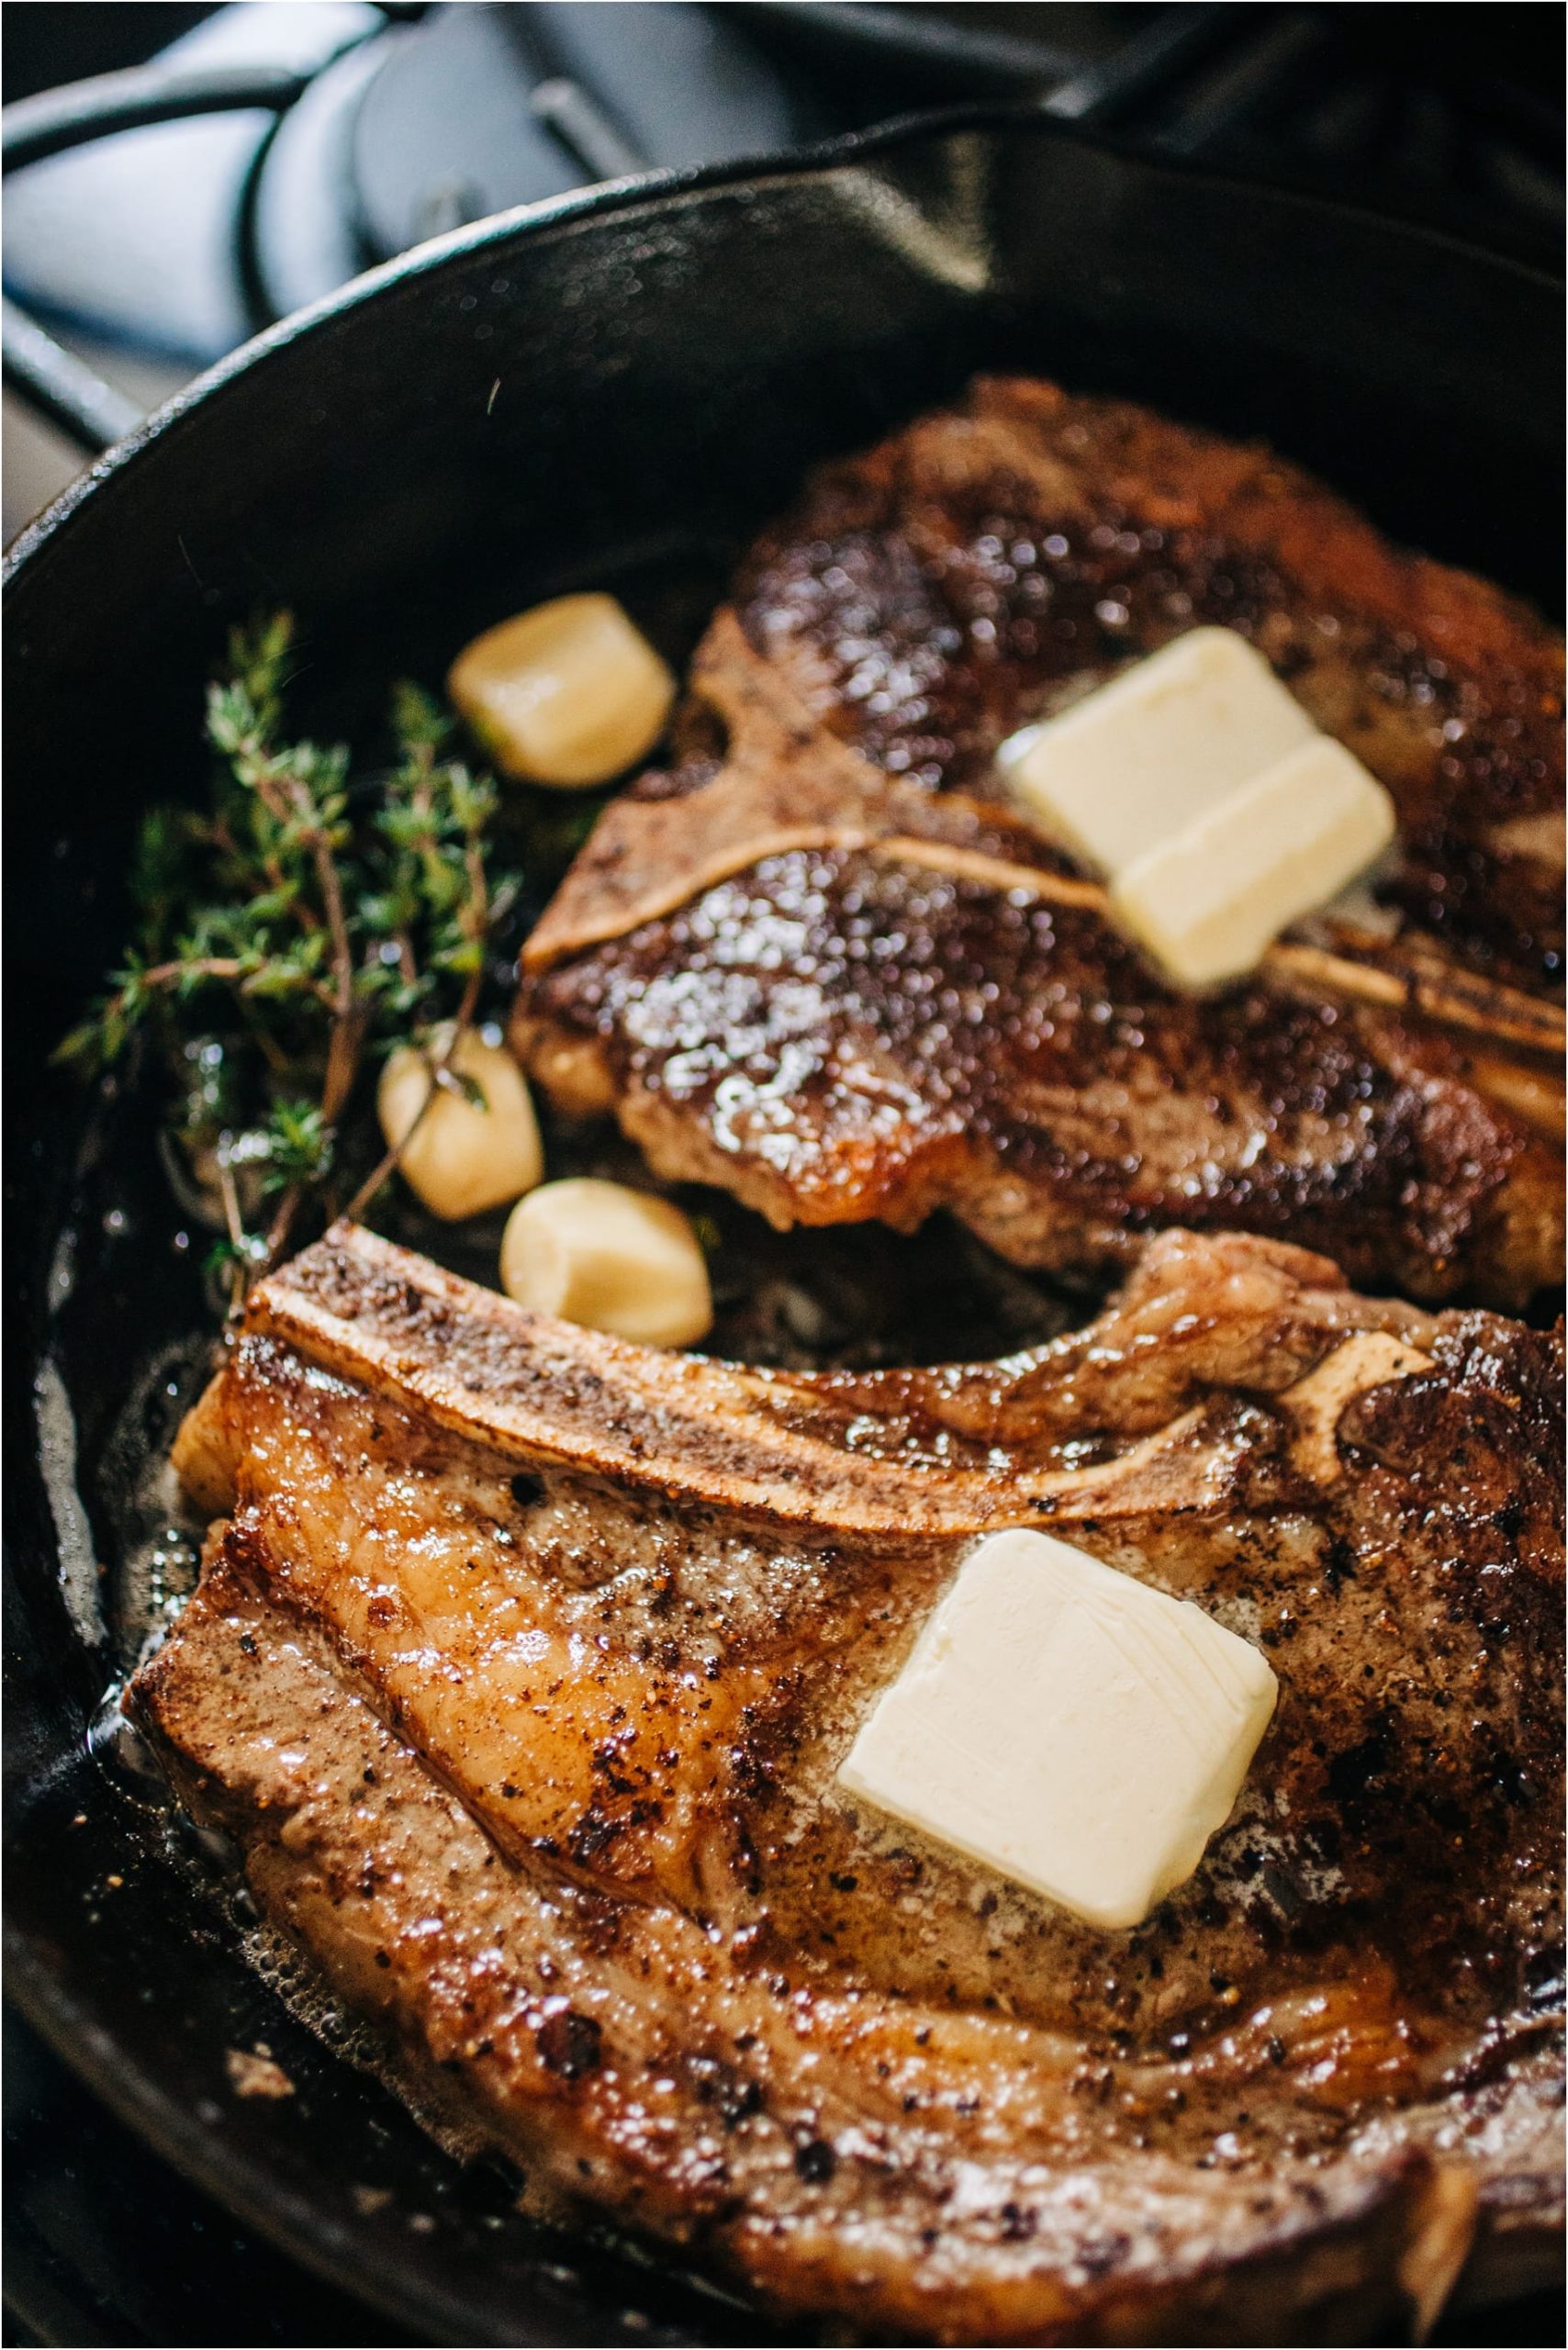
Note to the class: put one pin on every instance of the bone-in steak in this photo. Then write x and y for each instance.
(524, 1661)
(812, 966)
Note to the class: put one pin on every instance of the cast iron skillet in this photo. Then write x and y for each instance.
(613, 389)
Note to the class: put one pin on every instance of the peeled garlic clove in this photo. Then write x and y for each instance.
(570, 693)
(611, 1259)
(461, 1159)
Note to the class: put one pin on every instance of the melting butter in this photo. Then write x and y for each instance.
(1205, 793)
(1134, 762)
(1067, 1726)
(1209, 903)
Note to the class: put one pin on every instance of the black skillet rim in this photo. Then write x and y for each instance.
(240, 2184)
(626, 194)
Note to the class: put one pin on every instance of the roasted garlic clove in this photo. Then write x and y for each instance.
(570, 693)
(465, 1153)
(611, 1259)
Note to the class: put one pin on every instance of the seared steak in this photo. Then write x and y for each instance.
(812, 966)
(947, 587)
(524, 1661)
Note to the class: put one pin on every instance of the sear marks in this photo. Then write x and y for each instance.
(549, 1791)
(836, 1038)
(977, 569)
(826, 976)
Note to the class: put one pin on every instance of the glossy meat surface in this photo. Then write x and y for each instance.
(947, 587)
(825, 975)
(524, 1661)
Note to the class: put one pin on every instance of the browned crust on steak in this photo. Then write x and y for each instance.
(812, 978)
(520, 1669)
(786, 784)
(915, 608)
(833, 1037)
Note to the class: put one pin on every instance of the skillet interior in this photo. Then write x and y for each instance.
(615, 390)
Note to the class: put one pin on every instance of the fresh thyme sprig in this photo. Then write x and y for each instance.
(303, 925)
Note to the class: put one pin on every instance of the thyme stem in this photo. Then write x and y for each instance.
(312, 926)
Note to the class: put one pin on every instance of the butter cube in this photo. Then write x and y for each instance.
(1134, 762)
(1208, 903)
(1067, 1726)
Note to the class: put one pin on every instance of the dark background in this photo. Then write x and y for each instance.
(46, 42)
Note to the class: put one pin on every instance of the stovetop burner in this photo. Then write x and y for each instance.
(175, 241)
(479, 109)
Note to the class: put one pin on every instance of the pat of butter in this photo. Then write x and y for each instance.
(1067, 1726)
(1134, 761)
(1207, 904)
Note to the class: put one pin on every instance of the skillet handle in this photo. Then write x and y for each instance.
(47, 376)
(60, 388)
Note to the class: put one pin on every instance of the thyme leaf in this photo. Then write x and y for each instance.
(289, 935)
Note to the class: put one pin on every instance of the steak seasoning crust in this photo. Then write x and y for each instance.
(524, 1661)
(815, 964)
